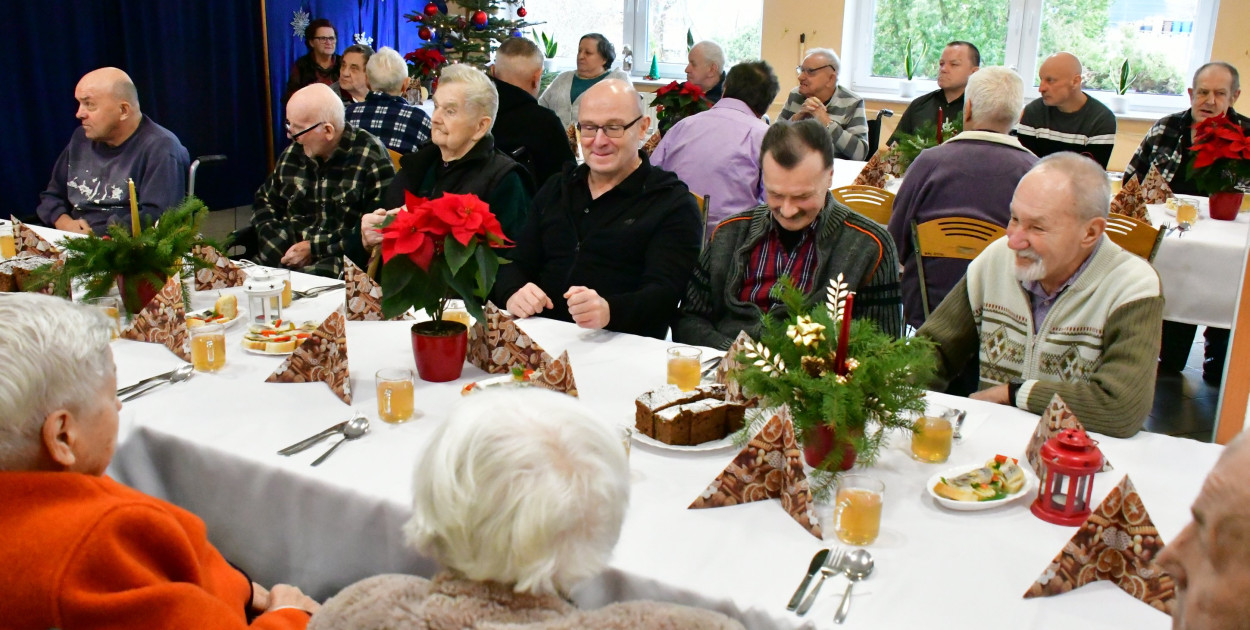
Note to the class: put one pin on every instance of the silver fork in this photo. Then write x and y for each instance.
(832, 566)
(315, 291)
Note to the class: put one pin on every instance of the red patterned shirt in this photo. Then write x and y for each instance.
(771, 260)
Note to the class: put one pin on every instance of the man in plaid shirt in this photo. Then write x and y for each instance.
(330, 176)
(839, 110)
(385, 113)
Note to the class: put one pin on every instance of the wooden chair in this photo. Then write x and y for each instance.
(1135, 236)
(870, 201)
(704, 202)
(954, 237)
(395, 155)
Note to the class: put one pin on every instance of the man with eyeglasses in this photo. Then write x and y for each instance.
(839, 110)
(611, 243)
(323, 183)
(959, 60)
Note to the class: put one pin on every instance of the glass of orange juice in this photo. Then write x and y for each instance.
(1186, 212)
(454, 311)
(111, 306)
(931, 434)
(394, 394)
(8, 247)
(683, 367)
(208, 347)
(285, 276)
(857, 509)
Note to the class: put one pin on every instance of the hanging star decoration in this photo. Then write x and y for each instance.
(300, 22)
(363, 39)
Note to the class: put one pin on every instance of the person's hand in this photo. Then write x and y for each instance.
(588, 309)
(287, 596)
(813, 108)
(299, 255)
(995, 394)
(260, 597)
(370, 236)
(528, 300)
(66, 223)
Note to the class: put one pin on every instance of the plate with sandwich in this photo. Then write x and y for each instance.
(970, 487)
(277, 339)
(225, 312)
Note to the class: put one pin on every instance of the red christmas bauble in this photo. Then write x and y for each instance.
(521, 12)
(424, 32)
(431, 9)
(479, 18)
(460, 22)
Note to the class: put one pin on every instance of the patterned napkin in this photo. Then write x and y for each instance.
(1131, 201)
(497, 344)
(729, 363)
(222, 275)
(1117, 543)
(1056, 418)
(163, 321)
(769, 467)
(1154, 188)
(557, 375)
(649, 146)
(322, 357)
(364, 295)
(873, 173)
(28, 242)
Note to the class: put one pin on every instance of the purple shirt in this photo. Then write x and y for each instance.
(717, 153)
(1041, 301)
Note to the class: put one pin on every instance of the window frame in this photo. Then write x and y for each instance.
(1023, 37)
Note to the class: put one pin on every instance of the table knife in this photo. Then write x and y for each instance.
(818, 561)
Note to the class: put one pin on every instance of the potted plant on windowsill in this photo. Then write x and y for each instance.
(1221, 164)
(549, 46)
(846, 382)
(911, 60)
(432, 249)
(1119, 102)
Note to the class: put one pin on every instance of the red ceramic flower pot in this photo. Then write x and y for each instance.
(136, 297)
(439, 348)
(1225, 205)
(820, 444)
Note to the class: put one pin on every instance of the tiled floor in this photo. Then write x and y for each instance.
(1185, 405)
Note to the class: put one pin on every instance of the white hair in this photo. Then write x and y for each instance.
(827, 53)
(521, 487)
(1086, 180)
(995, 96)
(479, 90)
(712, 52)
(55, 356)
(323, 102)
(386, 71)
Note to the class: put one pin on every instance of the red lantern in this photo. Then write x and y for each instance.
(479, 18)
(431, 9)
(1069, 462)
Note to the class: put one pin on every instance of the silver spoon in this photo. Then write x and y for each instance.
(856, 565)
(1182, 227)
(355, 429)
(959, 425)
(181, 374)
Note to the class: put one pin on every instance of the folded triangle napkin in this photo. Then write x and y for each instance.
(497, 344)
(163, 321)
(322, 357)
(1056, 418)
(1131, 201)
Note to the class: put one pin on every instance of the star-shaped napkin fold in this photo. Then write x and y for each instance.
(1056, 418)
(497, 344)
(770, 466)
(1117, 543)
(322, 357)
(1131, 201)
(1154, 188)
(873, 173)
(222, 275)
(163, 320)
(363, 295)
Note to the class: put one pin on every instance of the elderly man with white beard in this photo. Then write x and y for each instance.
(1056, 307)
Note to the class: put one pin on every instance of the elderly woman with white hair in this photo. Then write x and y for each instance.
(519, 495)
(81, 550)
(461, 157)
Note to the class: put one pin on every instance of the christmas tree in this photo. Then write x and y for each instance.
(471, 30)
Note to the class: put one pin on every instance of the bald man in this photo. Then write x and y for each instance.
(1065, 118)
(611, 243)
(116, 142)
(525, 130)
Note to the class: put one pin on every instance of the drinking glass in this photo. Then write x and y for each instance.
(857, 509)
(394, 394)
(931, 436)
(683, 367)
(1186, 212)
(285, 276)
(8, 247)
(208, 347)
(455, 312)
(111, 306)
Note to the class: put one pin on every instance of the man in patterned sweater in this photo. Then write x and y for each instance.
(324, 182)
(839, 110)
(1065, 118)
(1080, 317)
(400, 125)
(800, 232)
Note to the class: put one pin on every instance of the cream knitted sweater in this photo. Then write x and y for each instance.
(1097, 347)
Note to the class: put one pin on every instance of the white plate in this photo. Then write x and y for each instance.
(229, 323)
(265, 353)
(976, 506)
(723, 444)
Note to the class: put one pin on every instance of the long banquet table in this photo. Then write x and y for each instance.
(209, 445)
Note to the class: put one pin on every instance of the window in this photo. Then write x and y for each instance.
(568, 20)
(1164, 40)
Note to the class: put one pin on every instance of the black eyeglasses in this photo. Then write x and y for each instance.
(812, 71)
(324, 39)
(611, 131)
(292, 136)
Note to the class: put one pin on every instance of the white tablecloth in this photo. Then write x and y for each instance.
(1201, 272)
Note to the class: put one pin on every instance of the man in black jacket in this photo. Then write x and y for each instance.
(611, 243)
(525, 130)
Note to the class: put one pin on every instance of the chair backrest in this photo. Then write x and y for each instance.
(953, 237)
(870, 201)
(1135, 236)
(395, 155)
(704, 202)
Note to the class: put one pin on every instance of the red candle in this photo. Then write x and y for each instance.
(941, 119)
(844, 336)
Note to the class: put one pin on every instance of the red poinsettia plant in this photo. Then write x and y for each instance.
(433, 247)
(423, 63)
(676, 101)
(1222, 155)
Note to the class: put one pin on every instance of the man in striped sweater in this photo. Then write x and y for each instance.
(1079, 317)
(820, 98)
(1065, 118)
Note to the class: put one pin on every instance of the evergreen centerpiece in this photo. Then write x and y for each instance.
(138, 263)
(472, 33)
(909, 145)
(836, 375)
(1221, 164)
(676, 101)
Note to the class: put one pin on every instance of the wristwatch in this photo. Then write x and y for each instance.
(1013, 388)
